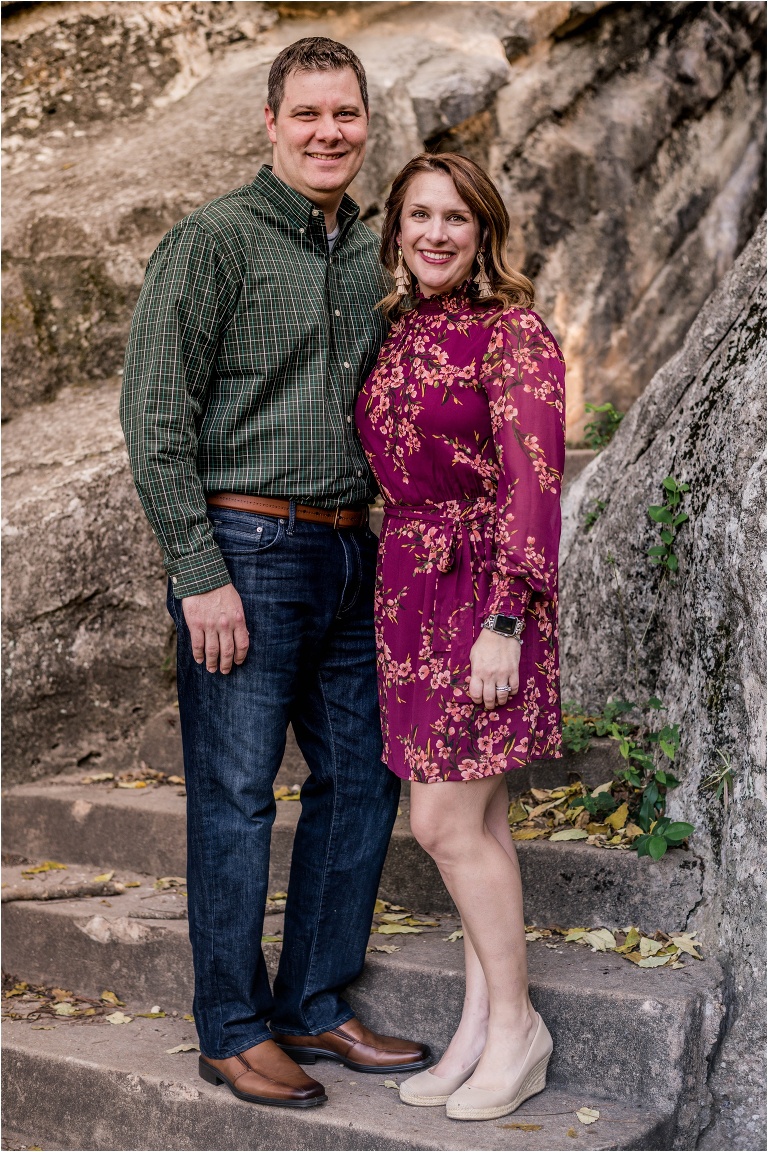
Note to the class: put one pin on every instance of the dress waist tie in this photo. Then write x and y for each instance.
(452, 543)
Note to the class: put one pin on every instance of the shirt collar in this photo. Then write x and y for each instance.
(296, 207)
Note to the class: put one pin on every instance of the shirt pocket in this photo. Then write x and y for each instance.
(244, 533)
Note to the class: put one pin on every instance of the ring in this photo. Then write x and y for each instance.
(503, 688)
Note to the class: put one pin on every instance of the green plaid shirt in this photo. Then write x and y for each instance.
(247, 349)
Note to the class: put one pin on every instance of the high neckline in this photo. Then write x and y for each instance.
(456, 299)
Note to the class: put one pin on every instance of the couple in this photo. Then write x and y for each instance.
(254, 447)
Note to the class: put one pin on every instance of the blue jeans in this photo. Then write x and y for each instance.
(307, 592)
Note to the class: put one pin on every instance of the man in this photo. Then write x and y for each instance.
(254, 328)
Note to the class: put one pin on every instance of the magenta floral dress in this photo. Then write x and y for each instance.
(462, 421)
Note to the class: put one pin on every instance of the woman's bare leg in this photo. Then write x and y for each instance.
(464, 828)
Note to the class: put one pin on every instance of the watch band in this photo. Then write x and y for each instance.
(510, 626)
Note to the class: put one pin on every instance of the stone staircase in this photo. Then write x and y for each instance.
(633, 1043)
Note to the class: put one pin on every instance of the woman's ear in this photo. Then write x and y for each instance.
(399, 239)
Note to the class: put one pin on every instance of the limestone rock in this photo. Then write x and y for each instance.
(626, 139)
(702, 420)
(87, 642)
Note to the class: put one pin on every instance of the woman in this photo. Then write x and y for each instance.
(462, 420)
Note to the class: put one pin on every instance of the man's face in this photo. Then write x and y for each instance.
(319, 134)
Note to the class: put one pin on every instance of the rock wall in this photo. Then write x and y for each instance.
(702, 420)
(627, 139)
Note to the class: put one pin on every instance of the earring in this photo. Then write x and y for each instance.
(482, 283)
(402, 281)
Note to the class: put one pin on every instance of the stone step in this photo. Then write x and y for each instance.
(564, 883)
(101, 1086)
(637, 1029)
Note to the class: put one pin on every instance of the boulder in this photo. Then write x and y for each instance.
(87, 643)
(694, 638)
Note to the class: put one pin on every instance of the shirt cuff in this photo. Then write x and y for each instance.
(202, 572)
(509, 596)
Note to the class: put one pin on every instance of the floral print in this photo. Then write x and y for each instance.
(462, 420)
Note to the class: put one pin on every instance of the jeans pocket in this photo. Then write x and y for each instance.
(245, 533)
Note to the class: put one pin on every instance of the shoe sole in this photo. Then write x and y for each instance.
(311, 1055)
(211, 1076)
(535, 1082)
(424, 1101)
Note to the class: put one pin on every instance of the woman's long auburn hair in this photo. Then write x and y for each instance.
(510, 289)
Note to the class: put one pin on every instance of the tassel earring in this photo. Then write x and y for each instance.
(402, 281)
(482, 283)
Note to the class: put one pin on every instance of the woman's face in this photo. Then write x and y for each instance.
(439, 234)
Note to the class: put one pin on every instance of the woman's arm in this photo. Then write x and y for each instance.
(524, 376)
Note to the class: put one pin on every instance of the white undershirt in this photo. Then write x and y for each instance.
(333, 237)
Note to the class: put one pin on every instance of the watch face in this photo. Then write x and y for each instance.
(506, 624)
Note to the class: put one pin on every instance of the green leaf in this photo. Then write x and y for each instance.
(657, 550)
(654, 703)
(667, 536)
(657, 846)
(680, 518)
(678, 831)
(641, 845)
(672, 563)
(660, 514)
(670, 484)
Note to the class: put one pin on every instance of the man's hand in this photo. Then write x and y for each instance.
(494, 662)
(216, 623)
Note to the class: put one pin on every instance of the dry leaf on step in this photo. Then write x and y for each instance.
(132, 784)
(649, 947)
(618, 818)
(653, 961)
(534, 935)
(388, 948)
(587, 1115)
(572, 1133)
(570, 834)
(601, 940)
(686, 942)
(523, 1127)
(118, 1018)
(110, 998)
(99, 778)
(529, 833)
(183, 1048)
(454, 936)
(65, 1009)
(103, 878)
(517, 813)
(391, 1084)
(189, 1017)
(393, 917)
(403, 929)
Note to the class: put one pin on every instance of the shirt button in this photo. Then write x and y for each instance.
(301, 230)
(337, 313)
(349, 419)
(359, 472)
(346, 364)
(315, 212)
(175, 579)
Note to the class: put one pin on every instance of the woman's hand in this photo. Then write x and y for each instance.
(494, 662)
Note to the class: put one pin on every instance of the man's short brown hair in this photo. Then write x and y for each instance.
(312, 54)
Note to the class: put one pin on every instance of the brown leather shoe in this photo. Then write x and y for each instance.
(264, 1075)
(360, 1049)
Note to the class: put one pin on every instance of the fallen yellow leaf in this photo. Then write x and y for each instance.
(454, 936)
(176, 780)
(587, 1115)
(103, 878)
(575, 934)
(65, 1009)
(391, 929)
(597, 829)
(687, 943)
(649, 947)
(189, 1017)
(118, 1018)
(388, 948)
(570, 834)
(529, 833)
(46, 866)
(652, 961)
(618, 818)
(600, 940)
(393, 917)
(602, 788)
(517, 813)
(271, 939)
(391, 1084)
(632, 831)
(132, 884)
(110, 998)
(572, 1133)
(183, 1048)
(132, 784)
(100, 778)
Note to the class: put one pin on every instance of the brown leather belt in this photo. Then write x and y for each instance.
(266, 506)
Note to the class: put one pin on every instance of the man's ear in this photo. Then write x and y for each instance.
(270, 118)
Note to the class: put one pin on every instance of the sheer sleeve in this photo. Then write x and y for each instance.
(523, 374)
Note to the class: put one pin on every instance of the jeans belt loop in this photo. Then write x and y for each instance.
(291, 516)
